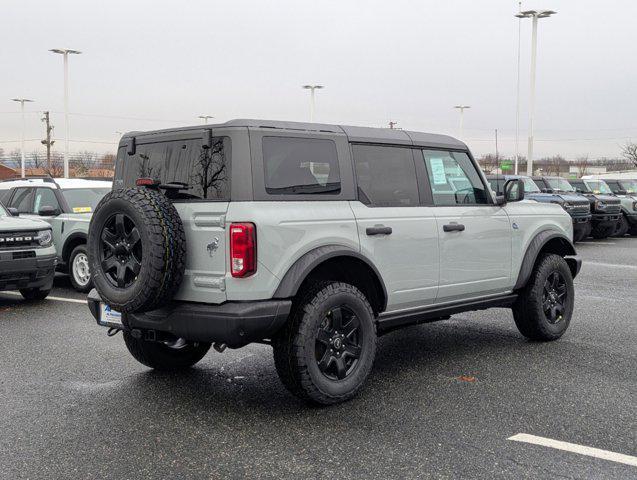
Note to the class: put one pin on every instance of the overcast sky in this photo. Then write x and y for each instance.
(158, 64)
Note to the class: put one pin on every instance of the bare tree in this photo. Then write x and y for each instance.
(489, 163)
(582, 164)
(554, 165)
(106, 162)
(629, 152)
(82, 162)
(15, 159)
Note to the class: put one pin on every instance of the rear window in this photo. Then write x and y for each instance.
(295, 166)
(204, 173)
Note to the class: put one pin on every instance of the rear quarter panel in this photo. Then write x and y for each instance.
(285, 232)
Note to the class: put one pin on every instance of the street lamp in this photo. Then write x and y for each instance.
(534, 14)
(311, 88)
(66, 52)
(22, 101)
(205, 118)
(462, 109)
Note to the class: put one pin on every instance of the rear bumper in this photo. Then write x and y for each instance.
(234, 323)
(34, 272)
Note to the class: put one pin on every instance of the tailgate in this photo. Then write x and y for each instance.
(206, 239)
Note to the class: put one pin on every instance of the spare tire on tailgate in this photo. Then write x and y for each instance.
(137, 248)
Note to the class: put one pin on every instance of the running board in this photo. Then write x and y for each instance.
(433, 313)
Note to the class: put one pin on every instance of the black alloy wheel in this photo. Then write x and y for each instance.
(554, 297)
(338, 343)
(120, 250)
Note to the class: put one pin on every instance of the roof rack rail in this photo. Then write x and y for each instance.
(44, 178)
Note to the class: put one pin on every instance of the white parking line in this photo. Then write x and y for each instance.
(610, 265)
(573, 447)
(56, 299)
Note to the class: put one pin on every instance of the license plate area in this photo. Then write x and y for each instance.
(110, 317)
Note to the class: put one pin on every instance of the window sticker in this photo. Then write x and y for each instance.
(82, 209)
(438, 171)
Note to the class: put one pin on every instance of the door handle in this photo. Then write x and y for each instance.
(379, 230)
(453, 227)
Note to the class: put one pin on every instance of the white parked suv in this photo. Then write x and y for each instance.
(67, 205)
(314, 239)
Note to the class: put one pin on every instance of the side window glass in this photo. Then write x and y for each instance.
(45, 197)
(22, 200)
(297, 166)
(386, 176)
(454, 179)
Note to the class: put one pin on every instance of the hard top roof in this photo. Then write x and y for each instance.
(354, 134)
(64, 183)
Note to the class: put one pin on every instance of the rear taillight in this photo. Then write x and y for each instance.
(243, 249)
(146, 182)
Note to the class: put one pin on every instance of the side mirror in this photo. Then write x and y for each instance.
(47, 211)
(621, 192)
(13, 211)
(514, 190)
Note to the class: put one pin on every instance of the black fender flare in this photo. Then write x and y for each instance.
(298, 272)
(535, 247)
(72, 240)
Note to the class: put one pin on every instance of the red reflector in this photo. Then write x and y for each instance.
(243, 249)
(145, 182)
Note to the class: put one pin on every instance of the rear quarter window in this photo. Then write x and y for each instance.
(300, 166)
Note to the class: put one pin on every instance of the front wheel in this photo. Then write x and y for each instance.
(79, 270)
(544, 308)
(178, 354)
(326, 351)
(622, 227)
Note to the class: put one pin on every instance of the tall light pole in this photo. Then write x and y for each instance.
(22, 163)
(462, 109)
(534, 15)
(66, 52)
(517, 98)
(311, 88)
(205, 118)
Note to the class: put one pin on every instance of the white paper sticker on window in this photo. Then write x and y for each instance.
(438, 171)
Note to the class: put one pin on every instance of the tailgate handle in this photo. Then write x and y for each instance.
(378, 230)
(453, 227)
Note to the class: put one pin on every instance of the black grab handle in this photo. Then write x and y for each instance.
(378, 230)
(453, 227)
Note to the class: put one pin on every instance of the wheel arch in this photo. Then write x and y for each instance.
(75, 239)
(547, 241)
(335, 262)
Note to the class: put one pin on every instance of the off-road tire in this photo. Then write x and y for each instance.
(294, 345)
(34, 294)
(622, 226)
(633, 231)
(528, 313)
(579, 236)
(159, 356)
(80, 249)
(163, 240)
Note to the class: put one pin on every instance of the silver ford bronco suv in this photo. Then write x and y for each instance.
(314, 239)
(67, 205)
(27, 255)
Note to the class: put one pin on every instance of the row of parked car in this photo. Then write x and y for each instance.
(599, 208)
(43, 229)
(54, 215)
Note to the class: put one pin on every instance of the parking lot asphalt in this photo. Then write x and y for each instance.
(441, 402)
